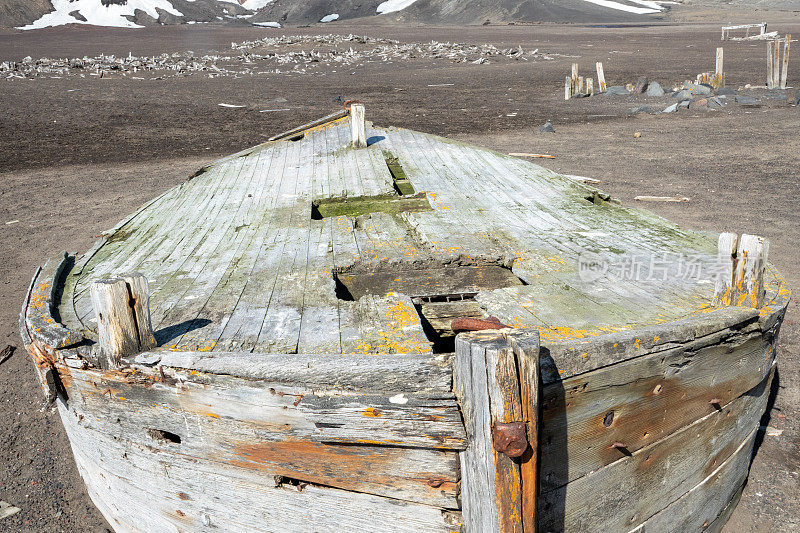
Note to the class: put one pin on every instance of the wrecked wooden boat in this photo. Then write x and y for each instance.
(355, 328)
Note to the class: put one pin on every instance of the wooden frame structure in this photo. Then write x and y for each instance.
(523, 428)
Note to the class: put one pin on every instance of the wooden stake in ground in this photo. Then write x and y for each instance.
(776, 65)
(770, 64)
(719, 75)
(590, 86)
(567, 88)
(601, 78)
(785, 71)
(574, 79)
(122, 309)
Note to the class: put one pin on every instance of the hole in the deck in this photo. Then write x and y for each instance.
(440, 292)
(162, 435)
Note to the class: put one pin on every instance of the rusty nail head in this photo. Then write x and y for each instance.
(510, 438)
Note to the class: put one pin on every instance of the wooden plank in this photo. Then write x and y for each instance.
(167, 491)
(622, 494)
(39, 322)
(526, 350)
(642, 400)
(700, 507)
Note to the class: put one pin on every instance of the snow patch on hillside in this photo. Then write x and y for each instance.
(97, 14)
(255, 5)
(267, 24)
(390, 6)
(652, 6)
(330, 18)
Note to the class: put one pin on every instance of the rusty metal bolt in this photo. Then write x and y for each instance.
(510, 438)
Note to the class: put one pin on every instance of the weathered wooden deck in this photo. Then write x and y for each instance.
(615, 403)
(242, 257)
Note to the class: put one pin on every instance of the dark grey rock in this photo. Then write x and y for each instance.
(714, 103)
(617, 90)
(641, 85)
(701, 88)
(745, 100)
(654, 89)
(641, 109)
(683, 94)
(684, 104)
(671, 108)
(547, 128)
(725, 90)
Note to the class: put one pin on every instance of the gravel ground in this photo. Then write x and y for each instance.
(79, 153)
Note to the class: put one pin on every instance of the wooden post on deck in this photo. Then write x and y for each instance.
(497, 384)
(743, 260)
(751, 261)
(122, 309)
(725, 287)
(357, 126)
(601, 78)
(785, 70)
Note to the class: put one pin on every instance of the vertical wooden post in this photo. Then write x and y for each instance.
(497, 384)
(122, 309)
(581, 89)
(725, 288)
(785, 70)
(357, 125)
(590, 86)
(776, 64)
(770, 65)
(751, 253)
(567, 88)
(719, 74)
(601, 78)
(743, 260)
(574, 78)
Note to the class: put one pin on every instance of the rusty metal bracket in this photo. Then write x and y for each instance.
(510, 438)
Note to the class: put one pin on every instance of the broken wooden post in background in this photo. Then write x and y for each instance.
(776, 69)
(742, 262)
(785, 70)
(567, 88)
(589, 86)
(770, 65)
(719, 74)
(601, 78)
(122, 309)
(357, 125)
(496, 380)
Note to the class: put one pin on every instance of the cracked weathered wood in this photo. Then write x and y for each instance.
(295, 384)
(497, 383)
(122, 310)
(357, 129)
